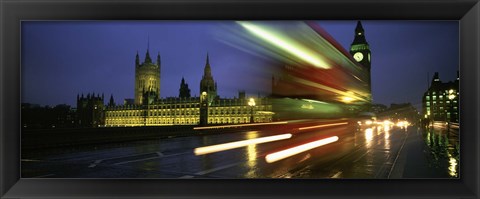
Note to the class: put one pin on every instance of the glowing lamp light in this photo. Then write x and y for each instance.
(251, 102)
(347, 99)
(273, 157)
(400, 124)
(369, 134)
(238, 144)
(451, 96)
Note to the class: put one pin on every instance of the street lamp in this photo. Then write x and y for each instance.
(451, 96)
(251, 103)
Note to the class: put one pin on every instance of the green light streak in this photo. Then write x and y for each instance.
(285, 44)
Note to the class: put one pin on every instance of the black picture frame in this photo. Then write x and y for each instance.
(13, 12)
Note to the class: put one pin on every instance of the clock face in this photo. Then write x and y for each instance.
(358, 56)
(368, 56)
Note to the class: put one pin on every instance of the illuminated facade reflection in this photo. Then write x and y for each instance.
(251, 154)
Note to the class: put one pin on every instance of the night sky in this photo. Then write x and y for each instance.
(66, 58)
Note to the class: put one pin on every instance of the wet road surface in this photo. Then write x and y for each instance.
(375, 151)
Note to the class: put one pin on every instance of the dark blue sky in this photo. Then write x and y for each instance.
(62, 59)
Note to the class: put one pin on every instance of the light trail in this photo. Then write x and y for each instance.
(286, 44)
(237, 125)
(328, 88)
(273, 157)
(323, 125)
(238, 144)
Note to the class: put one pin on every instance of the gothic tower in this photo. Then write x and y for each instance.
(207, 84)
(360, 50)
(147, 77)
(184, 90)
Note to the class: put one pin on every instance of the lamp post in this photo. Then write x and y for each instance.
(451, 96)
(251, 103)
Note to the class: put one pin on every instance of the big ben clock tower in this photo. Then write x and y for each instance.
(360, 51)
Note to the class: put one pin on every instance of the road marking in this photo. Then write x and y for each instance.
(94, 164)
(216, 169)
(139, 160)
(43, 176)
(126, 156)
(31, 160)
(358, 159)
(187, 176)
(159, 154)
(398, 155)
(211, 170)
(337, 175)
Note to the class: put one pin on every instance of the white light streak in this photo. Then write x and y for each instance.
(323, 125)
(273, 157)
(238, 144)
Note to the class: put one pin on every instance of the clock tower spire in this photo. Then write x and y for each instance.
(360, 51)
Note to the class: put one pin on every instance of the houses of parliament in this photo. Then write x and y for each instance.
(149, 109)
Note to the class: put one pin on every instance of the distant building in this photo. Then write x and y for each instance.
(378, 108)
(37, 117)
(401, 112)
(440, 101)
(185, 109)
(90, 110)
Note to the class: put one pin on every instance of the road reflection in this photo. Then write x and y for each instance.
(251, 154)
(443, 143)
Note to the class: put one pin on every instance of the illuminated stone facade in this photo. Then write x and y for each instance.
(440, 101)
(186, 111)
(147, 77)
(151, 110)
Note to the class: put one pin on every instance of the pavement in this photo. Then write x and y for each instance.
(418, 160)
